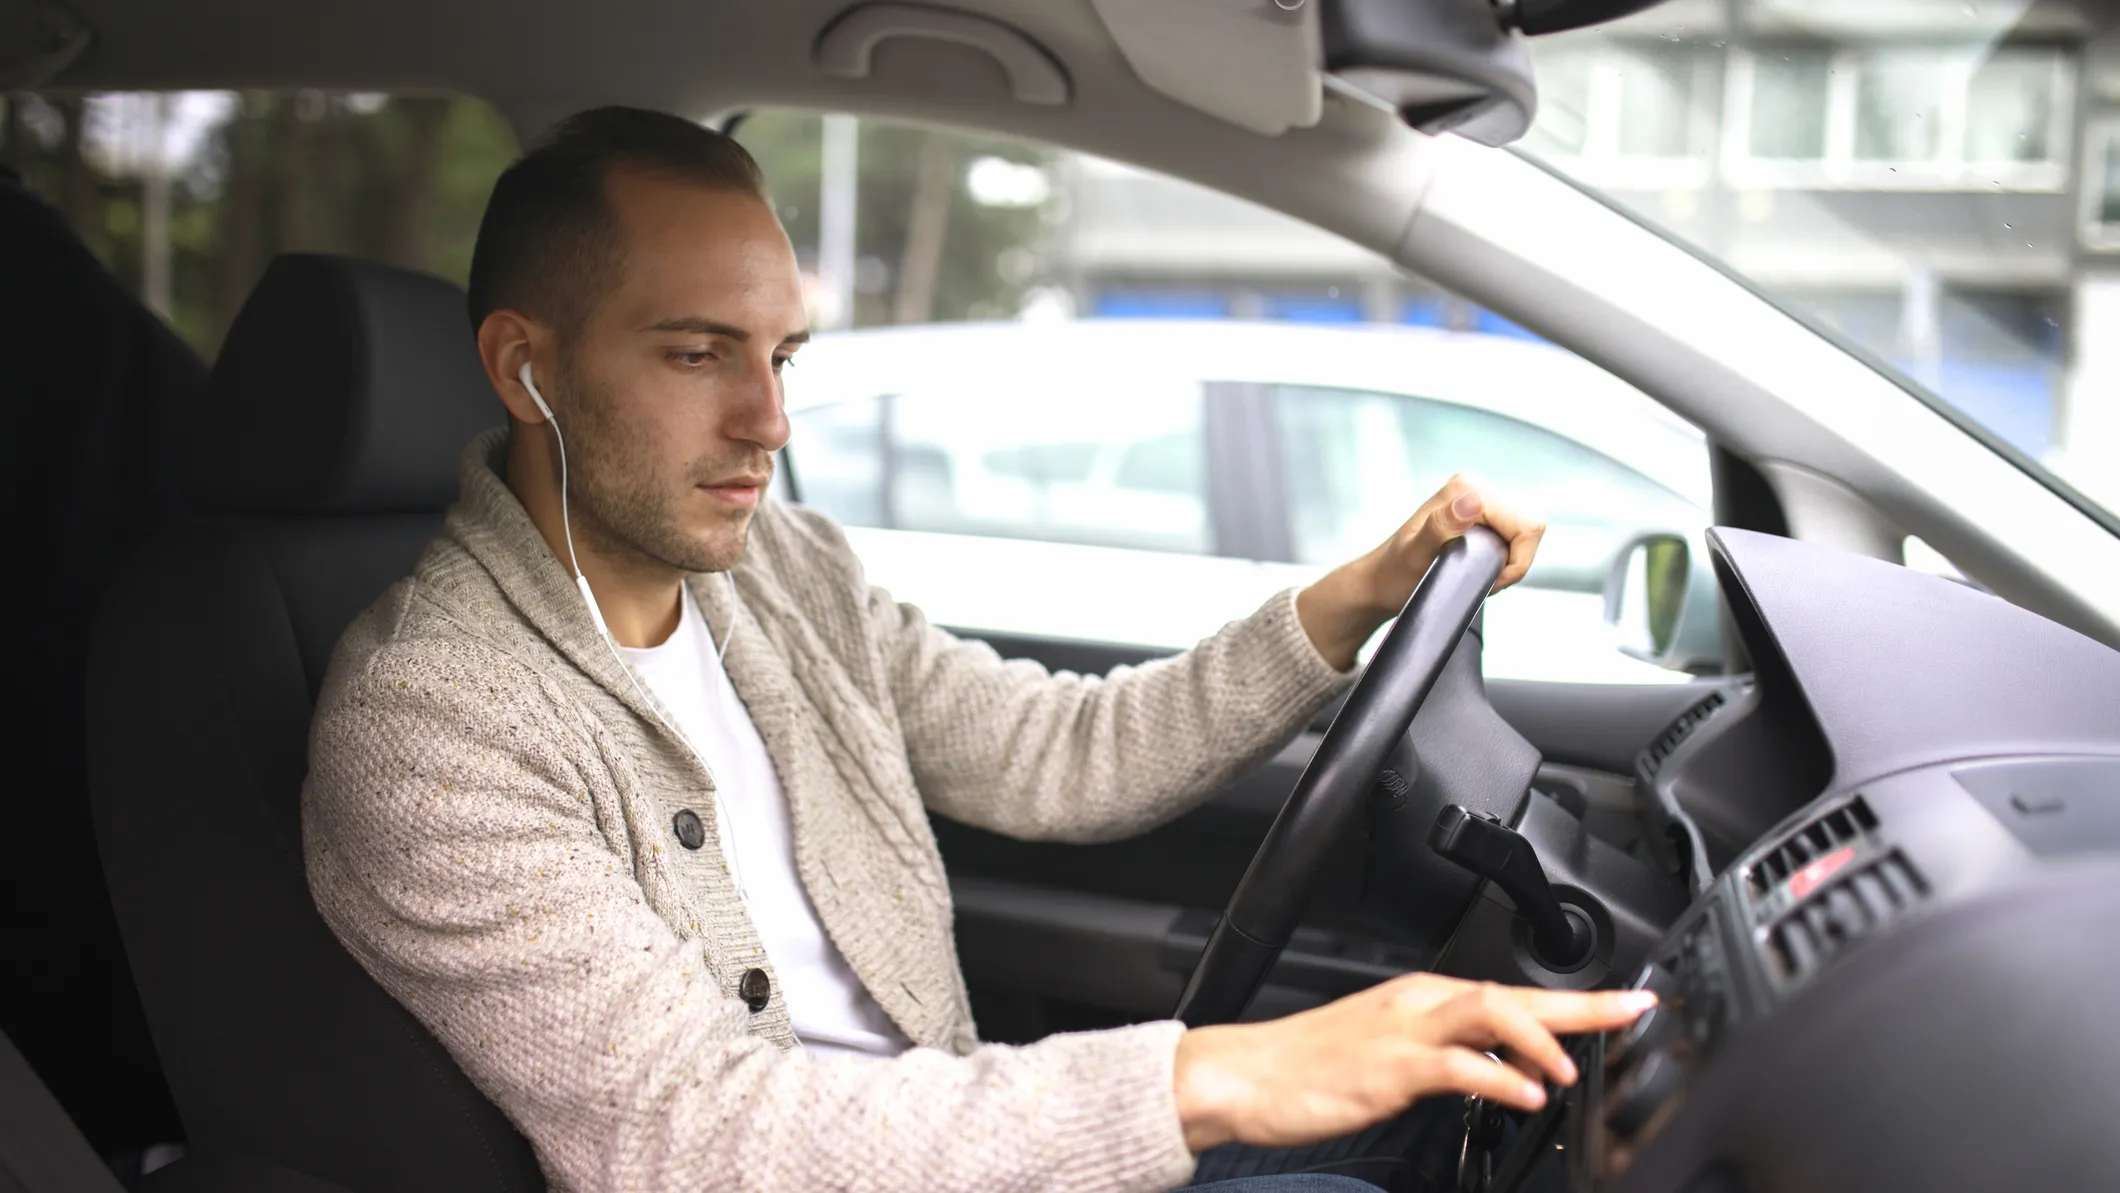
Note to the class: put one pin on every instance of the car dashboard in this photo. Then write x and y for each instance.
(1926, 755)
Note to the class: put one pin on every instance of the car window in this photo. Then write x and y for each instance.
(1354, 459)
(1935, 182)
(1114, 467)
(1056, 396)
(187, 195)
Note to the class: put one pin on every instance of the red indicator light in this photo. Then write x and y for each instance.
(1813, 876)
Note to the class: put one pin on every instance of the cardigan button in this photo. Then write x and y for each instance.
(755, 988)
(690, 832)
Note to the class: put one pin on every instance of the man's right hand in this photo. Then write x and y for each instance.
(1338, 1068)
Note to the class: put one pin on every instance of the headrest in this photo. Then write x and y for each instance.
(343, 387)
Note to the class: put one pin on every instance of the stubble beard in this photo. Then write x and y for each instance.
(628, 508)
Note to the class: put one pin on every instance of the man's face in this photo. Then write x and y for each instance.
(671, 389)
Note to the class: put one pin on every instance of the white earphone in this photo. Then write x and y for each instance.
(596, 614)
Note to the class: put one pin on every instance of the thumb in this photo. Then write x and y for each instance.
(1462, 514)
(1445, 519)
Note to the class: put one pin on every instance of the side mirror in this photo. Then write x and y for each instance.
(1663, 605)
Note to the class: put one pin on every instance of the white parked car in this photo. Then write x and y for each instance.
(1143, 481)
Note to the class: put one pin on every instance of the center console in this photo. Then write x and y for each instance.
(1668, 1103)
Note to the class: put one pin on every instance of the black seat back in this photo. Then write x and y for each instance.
(40, 1151)
(95, 388)
(324, 456)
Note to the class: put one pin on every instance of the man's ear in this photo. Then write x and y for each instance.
(507, 340)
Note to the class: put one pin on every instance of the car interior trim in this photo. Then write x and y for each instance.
(847, 47)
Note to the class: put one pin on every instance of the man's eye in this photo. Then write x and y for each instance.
(692, 360)
(782, 362)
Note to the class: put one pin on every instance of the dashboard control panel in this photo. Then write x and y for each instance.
(1848, 870)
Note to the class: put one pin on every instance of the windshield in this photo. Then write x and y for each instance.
(1938, 181)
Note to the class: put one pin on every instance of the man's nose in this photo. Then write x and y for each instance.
(758, 414)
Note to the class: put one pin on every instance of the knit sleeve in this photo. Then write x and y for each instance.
(454, 843)
(1011, 747)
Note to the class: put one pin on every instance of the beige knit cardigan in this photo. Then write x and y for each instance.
(488, 827)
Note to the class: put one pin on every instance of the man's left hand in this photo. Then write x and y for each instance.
(1344, 608)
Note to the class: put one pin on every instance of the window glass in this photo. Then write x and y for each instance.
(1789, 105)
(2105, 187)
(1654, 105)
(1939, 181)
(187, 195)
(1616, 103)
(1103, 466)
(2010, 107)
(845, 467)
(1896, 102)
(1563, 102)
(1353, 458)
(1054, 396)
(901, 224)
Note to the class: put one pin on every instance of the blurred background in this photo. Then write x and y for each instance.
(1936, 180)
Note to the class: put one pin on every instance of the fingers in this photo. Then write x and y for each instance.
(1487, 1015)
(1461, 504)
(1569, 1012)
(1525, 1021)
(1524, 535)
(1464, 1071)
(1455, 509)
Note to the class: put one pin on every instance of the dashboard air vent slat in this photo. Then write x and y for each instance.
(1668, 741)
(1849, 908)
(1843, 825)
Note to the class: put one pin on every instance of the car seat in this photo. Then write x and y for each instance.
(43, 1151)
(321, 460)
(40, 1150)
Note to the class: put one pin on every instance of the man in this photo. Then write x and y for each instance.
(687, 925)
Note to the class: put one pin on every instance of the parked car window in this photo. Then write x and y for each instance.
(1072, 463)
(1356, 460)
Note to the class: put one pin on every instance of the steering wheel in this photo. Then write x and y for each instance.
(1277, 886)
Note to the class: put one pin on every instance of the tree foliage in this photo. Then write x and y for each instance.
(972, 276)
(404, 179)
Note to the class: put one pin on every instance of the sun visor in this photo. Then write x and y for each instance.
(1253, 63)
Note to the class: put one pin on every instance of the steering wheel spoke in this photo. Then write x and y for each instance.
(1276, 888)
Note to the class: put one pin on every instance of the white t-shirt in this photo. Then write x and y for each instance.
(831, 1011)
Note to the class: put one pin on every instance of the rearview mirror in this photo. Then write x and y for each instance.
(1663, 605)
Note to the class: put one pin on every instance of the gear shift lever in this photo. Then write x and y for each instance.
(1501, 855)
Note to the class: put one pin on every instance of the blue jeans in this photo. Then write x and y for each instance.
(1416, 1152)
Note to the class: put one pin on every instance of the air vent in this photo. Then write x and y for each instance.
(1841, 826)
(1855, 904)
(1660, 749)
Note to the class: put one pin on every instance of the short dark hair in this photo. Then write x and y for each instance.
(548, 244)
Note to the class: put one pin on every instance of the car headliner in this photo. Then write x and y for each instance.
(537, 60)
